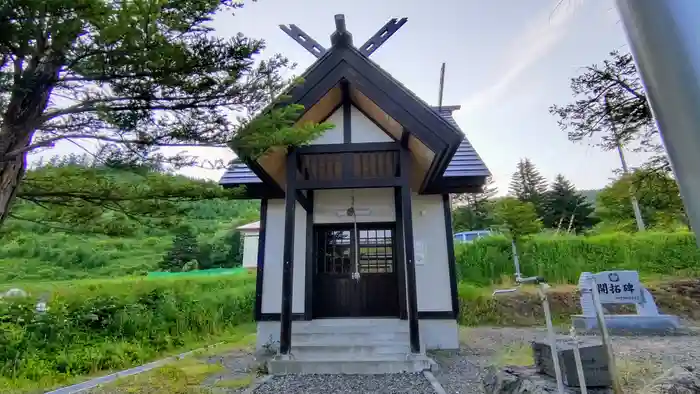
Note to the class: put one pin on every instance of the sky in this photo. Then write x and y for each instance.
(507, 62)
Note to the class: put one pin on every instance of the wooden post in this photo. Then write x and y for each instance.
(409, 254)
(290, 203)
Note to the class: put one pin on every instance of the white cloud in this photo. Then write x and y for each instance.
(538, 39)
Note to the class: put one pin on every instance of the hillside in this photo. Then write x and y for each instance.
(40, 250)
(590, 194)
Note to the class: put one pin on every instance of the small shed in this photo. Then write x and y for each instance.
(250, 233)
(356, 270)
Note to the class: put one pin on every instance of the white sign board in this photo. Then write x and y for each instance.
(619, 287)
(419, 251)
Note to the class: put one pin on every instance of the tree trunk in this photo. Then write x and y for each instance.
(12, 169)
(28, 101)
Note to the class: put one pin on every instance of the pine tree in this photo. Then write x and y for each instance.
(234, 257)
(183, 251)
(528, 185)
(474, 211)
(566, 208)
(488, 192)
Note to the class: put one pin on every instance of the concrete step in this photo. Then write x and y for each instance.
(360, 351)
(349, 338)
(364, 366)
(362, 326)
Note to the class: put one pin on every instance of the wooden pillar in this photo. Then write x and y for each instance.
(290, 203)
(308, 296)
(398, 250)
(409, 254)
(451, 263)
(261, 260)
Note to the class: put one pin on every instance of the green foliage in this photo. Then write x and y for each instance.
(93, 326)
(591, 195)
(224, 252)
(565, 208)
(469, 217)
(473, 211)
(183, 251)
(528, 185)
(517, 218)
(278, 128)
(658, 196)
(116, 202)
(37, 252)
(610, 107)
(561, 259)
(131, 77)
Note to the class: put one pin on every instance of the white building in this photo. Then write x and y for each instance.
(389, 269)
(250, 234)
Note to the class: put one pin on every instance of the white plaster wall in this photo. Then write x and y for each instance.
(438, 334)
(274, 243)
(432, 274)
(334, 135)
(380, 202)
(250, 249)
(362, 129)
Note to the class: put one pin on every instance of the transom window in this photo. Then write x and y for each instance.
(336, 250)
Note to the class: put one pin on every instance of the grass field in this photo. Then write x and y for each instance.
(94, 326)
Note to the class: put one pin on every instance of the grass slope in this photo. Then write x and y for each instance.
(32, 253)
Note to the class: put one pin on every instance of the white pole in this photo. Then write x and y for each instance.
(551, 337)
(607, 344)
(633, 198)
(665, 41)
(579, 363)
(623, 162)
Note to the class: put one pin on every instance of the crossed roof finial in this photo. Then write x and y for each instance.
(342, 37)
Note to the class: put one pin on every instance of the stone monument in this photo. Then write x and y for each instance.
(593, 359)
(621, 287)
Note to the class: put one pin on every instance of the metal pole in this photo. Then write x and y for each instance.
(516, 261)
(442, 85)
(551, 336)
(600, 316)
(664, 37)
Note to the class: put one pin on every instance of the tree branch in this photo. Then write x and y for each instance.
(50, 142)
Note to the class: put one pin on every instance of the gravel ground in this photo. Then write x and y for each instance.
(340, 384)
(639, 359)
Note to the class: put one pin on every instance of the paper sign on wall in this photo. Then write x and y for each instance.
(419, 251)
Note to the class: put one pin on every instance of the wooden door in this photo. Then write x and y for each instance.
(335, 292)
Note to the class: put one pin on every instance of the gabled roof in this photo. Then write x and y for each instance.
(464, 166)
(392, 106)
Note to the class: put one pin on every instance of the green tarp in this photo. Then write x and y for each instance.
(209, 272)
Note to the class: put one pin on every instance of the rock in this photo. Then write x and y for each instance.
(525, 380)
(677, 380)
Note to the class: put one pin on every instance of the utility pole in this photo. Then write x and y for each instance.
(663, 38)
(442, 85)
(625, 169)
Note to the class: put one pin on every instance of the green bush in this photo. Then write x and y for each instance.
(561, 259)
(93, 326)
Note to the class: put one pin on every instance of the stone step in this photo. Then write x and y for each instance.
(349, 339)
(313, 351)
(364, 366)
(333, 327)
